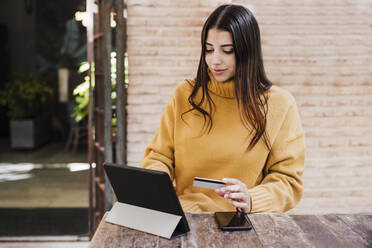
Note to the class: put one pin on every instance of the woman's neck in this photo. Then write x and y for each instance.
(224, 89)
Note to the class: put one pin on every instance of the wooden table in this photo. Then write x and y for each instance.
(270, 230)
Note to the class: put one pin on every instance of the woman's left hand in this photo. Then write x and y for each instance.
(237, 193)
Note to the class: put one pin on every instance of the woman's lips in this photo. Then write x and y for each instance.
(219, 71)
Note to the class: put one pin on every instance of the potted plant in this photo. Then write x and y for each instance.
(28, 98)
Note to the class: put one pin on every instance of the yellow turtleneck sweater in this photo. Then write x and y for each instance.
(273, 177)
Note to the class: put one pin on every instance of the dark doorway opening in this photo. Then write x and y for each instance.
(39, 37)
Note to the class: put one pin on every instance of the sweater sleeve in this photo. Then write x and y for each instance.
(281, 187)
(159, 154)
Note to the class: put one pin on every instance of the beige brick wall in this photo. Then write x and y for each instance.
(319, 50)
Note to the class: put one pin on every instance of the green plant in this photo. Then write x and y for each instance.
(81, 91)
(27, 96)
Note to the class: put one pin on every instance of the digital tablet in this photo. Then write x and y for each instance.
(148, 189)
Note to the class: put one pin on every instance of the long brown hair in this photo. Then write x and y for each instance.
(250, 79)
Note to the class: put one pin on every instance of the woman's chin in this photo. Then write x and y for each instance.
(222, 78)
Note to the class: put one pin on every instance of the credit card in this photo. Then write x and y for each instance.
(207, 183)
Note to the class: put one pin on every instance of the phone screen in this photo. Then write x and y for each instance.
(233, 221)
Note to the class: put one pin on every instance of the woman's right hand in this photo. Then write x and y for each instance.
(237, 193)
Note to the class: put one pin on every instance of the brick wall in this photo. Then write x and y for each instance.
(321, 51)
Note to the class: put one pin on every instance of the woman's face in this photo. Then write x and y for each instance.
(220, 55)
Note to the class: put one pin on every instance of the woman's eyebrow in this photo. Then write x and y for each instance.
(224, 45)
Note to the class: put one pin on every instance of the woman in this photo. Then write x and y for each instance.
(230, 123)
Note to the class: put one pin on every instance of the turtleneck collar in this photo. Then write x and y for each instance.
(224, 89)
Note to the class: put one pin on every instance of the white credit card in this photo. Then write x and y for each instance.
(207, 183)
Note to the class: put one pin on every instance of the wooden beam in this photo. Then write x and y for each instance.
(107, 48)
(120, 83)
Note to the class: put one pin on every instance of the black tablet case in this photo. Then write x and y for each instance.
(148, 189)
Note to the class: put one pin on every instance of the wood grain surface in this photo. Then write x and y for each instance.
(269, 230)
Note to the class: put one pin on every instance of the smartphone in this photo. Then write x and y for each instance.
(233, 221)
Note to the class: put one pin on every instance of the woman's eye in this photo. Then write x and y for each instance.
(226, 52)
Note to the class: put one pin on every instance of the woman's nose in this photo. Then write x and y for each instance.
(216, 59)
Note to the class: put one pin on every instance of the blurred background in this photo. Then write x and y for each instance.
(43, 149)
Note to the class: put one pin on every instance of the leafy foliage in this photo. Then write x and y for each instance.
(81, 91)
(27, 96)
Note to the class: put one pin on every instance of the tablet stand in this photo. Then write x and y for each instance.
(144, 219)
